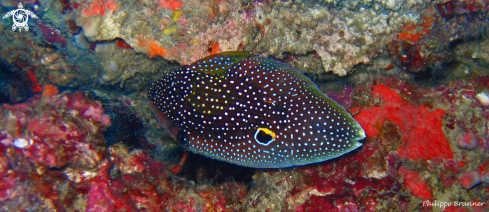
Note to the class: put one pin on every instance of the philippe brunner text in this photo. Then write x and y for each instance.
(444, 204)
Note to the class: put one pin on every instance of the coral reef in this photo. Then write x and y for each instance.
(44, 139)
(69, 166)
(54, 157)
(74, 41)
(342, 33)
(416, 80)
(55, 51)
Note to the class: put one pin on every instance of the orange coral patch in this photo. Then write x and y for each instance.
(155, 49)
(415, 37)
(49, 90)
(171, 4)
(409, 26)
(214, 48)
(98, 7)
(403, 35)
(410, 37)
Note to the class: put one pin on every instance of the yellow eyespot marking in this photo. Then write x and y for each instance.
(268, 132)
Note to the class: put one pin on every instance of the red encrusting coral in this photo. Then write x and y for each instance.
(99, 7)
(414, 184)
(421, 128)
(37, 87)
(122, 44)
(484, 167)
(36, 146)
(171, 4)
(410, 48)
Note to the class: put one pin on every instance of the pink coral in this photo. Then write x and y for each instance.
(97, 113)
(470, 179)
(99, 198)
(468, 141)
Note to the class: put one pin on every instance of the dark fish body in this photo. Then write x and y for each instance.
(255, 112)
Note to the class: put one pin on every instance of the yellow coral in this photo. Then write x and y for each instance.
(176, 15)
(170, 30)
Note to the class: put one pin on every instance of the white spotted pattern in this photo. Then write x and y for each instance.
(219, 102)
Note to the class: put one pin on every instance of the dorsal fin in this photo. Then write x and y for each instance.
(218, 64)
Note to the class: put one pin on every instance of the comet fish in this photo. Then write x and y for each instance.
(255, 112)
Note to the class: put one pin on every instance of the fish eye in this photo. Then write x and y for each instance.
(264, 136)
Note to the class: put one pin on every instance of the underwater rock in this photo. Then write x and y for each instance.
(342, 34)
(483, 99)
